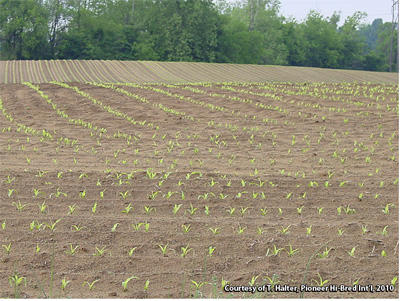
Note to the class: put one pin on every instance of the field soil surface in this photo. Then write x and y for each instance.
(15, 72)
(192, 187)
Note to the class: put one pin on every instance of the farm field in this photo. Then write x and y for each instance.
(176, 190)
(16, 72)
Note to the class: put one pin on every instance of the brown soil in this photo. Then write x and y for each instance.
(15, 72)
(212, 151)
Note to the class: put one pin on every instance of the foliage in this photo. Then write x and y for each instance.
(244, 32)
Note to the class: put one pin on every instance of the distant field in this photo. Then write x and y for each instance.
(14, 72)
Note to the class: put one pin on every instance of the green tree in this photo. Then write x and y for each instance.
(353, 43)
(322, 41)
(23, 29)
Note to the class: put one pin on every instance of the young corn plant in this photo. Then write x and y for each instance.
(308, 230)
(192, 209)
(64, 283)
(320, 282)
(325, 253)
(176, 208)
(243, 211)
(274, 252)
(231, 211)
(15, 282)
(185, 251)
(43, 207)
(186, 229)
(351, 253)
(291, 251)
(285, 230)
(19, 206)
(100, 252)
(164, 249)
(51, 225)
(90, 285)
(125, 283)
(128, 208)
(72, 249)
(211, 250)
(215, 230)
(7, 248)
(240, 229)
(130, 252)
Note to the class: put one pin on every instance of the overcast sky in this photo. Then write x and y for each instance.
(300, 8)
(374, 8)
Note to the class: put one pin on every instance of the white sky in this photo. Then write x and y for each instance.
(374, 8)
(300, 8)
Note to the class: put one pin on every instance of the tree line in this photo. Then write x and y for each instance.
(251, 32)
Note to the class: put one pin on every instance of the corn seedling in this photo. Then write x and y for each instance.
(146, 285)
(71, 209)
(340, 232)
(260, 230)
(3, 225)
(285, 230)
(100, 252)
(291, 251)
(164, 249)
(198, 285)
(192, 210)
(383, 253)
(51, 225)
(215, 230)
(299, 210)
(125, 194)
(320, 282)
(274, 252)
(185, 251)
(64, 283)
(91, 285)
(386, 210)
(125, 283)
(43, 207)
(185, 228)
(210, 250)
(82, 194)
(240, 230)
(320, 210)
(136, 227)
(176, 208)
(231, 211)
(130, 252)
(351, 253)
(94, 208)
(114, 228)
(308, 230)
(77, 228)
(127, 209)
(393, 281)
(264, 211)
(243, 211)
(7, 248)
(325, 253)
(149, 209)
(383, 232)
(19, 206)
(15, 282)
(72, 250)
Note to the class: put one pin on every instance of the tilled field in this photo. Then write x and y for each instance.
(195, 189)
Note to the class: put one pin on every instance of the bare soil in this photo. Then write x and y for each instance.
(308, 168)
